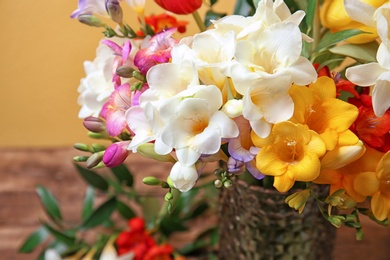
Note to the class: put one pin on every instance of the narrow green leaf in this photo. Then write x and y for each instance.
(362, 52)
(37, 237)
(60, 236)
(125, 211)
(331, 39)
(123, 175)
(102, 213)
(88, 202)
(49, 203)
(310, 13)
(92, 178)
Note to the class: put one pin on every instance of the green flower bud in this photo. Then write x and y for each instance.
(336, 221)
(147, 150)
(138, 75)
(153, 181)
(218, 183)
(82, 147)
(90, 20)
(94, 160)
(298, 200)
(80, 158)
(168, 197)
(125, 72)
(227, 184)
(98, 147)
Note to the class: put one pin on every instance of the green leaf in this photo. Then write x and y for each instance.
(88, 202)
(60, 236)
(150, 209)
(361, 52)
(199, 210)
(37, 237)
(123, 175)
(93, 178)
(102, 213)
(331, 39)
(49, 203)
(125, 211)
(310, 13)
(171, 224)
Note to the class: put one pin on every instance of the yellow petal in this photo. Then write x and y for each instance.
(316, 145)
(383, 168)
(380, 206)
(342, 156)
(330, 138)
(283, 183)
(269, 163)
(339, 114)
(324, 88)
(347, 138)
(307, 169)
(303, 98)
(366, 183)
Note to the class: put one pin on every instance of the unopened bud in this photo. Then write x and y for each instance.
(136, 86)
(233, 108)
(298, 200)
(125, 72)
(336, 221)
(82, 147)
(94, 159)
(152, 181)
(138, 75)
(116, 154)
(98, 135)
(218, 183)
(98, 147)
(168, 196)
(147, 150)
(227, 184)
(94, 124)
(114, 10)
(80, 158)
(90, 20)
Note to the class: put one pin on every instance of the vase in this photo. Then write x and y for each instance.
(256, 223)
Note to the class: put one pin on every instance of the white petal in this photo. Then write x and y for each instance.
(360, 12)
(261, 127)
(364, 75)
(226, 125)
(208, 141)
(279, 108)
(302, 72)
(183, 177)
(383, 56)
(381, 94)
(187, 156)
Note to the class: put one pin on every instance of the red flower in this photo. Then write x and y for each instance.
(372, 130)
(164, 21)
(162, 252)
(180, 6)
(136, 240)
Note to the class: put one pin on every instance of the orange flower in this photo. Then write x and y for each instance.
(164, 21)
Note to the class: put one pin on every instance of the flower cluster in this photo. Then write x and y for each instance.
(253, 90)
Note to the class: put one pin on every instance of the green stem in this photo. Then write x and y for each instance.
(199, 21)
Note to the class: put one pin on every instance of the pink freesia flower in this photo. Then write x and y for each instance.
(122, 58)
(157, 50)
(115, 154)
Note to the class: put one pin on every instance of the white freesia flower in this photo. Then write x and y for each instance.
(97, 86)
(136, 5)
(196, 125)
(376, 74)
(183, 177)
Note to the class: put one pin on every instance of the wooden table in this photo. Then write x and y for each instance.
(20, 210)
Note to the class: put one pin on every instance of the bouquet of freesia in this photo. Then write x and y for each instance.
(294, 93)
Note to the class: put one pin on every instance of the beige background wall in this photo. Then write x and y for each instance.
(41, 56)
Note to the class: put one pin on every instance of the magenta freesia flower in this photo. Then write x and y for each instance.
(157, 50)
(116, 154)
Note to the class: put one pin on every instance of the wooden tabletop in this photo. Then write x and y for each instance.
(20, 210)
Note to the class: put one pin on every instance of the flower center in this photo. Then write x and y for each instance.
(199, 124)
(290, 151)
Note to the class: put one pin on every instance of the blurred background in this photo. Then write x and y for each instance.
(41, 65)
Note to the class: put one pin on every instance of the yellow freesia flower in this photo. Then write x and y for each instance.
(319, 109)
(290, 153)
(334, 16)
(344, 177)
(376, 184)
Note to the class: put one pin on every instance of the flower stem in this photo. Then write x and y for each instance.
(199, 21)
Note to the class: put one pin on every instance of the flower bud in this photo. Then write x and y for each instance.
(218, 184)
(94, 160)
(90, 20)
(125, 72)
(168, 196)
(227, 184)
(116, 154)
(94, 124)
(152, 181)
(114, 10)
(233, 108)
(80, 158)
(82, 147)
(147, 150)
(98, 147)
(298, 200)
(336, 221)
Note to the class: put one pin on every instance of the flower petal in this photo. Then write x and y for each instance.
(380, 206)
(364, 75)
(381, 94)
